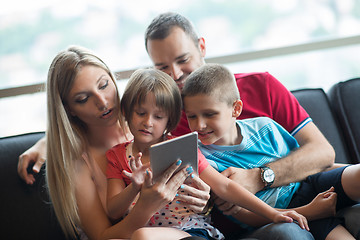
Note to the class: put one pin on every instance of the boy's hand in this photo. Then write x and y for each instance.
(323, 205)
(290, 216)
(138, 173)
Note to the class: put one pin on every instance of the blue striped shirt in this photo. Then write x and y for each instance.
(264, 141)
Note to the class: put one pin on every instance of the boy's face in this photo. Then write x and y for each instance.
(177, 55)
(212, 119)
(148, 121)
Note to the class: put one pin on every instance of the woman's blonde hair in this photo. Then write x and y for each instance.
(66, 134)
(167, 94)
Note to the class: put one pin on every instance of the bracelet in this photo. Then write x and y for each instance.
(209, 210)
(209, 206)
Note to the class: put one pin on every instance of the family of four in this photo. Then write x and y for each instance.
(97, 159)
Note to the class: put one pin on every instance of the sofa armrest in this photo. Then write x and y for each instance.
(25, 210)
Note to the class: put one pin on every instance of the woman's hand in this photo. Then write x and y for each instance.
(194, 194)
(153, 196)
(36, 154)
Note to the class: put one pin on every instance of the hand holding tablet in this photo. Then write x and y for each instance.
(165, 153)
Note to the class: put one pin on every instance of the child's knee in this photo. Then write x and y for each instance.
(140, 234)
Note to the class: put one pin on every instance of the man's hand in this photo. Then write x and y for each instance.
(35, 154)
(248, 178)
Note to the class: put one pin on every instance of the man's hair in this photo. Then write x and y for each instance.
(162, 25)
(212, 80)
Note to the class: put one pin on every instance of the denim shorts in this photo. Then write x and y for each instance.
(199, 233)
(314, 185)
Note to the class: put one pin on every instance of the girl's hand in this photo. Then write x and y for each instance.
(195, 194)
(139, 171)
(290, 216)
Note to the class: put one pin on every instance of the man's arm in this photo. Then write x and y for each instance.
(314, 155)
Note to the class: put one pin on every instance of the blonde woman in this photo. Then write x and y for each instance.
(83, 122)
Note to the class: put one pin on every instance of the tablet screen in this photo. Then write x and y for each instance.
(163, 154)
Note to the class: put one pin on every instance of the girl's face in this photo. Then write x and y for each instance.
(148, 121)
(93, 97)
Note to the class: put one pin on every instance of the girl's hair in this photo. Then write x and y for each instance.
(212, 80)
(167, 94)
(66, 134)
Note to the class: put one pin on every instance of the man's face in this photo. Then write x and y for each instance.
(177, 55)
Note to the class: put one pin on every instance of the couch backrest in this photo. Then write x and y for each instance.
(316, 103)
(25, 211)
(345, 100)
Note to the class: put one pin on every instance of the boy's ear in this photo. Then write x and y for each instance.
(237, 108)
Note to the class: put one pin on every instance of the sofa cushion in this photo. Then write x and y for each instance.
(345, 100)
(316, 103)
(25, 210)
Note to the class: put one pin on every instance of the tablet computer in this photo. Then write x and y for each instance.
(165, 153)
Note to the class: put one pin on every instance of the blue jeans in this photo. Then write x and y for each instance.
(351, 216)
(280, 231)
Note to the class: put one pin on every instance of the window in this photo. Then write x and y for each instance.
(33, 32)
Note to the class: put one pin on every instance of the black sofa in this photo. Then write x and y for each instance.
(27, 214)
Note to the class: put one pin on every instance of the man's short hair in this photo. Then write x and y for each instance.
(161, 27)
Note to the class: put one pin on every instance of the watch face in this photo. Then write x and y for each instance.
(269, 175)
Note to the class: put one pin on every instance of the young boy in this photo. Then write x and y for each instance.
(212, 104)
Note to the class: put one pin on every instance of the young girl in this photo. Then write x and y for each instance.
(151, 105)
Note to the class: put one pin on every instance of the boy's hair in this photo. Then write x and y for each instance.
(167, 94)
(161, 27)
(212, 80)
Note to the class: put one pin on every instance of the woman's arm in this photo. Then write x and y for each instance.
(94, 220)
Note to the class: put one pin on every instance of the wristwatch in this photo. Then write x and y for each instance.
(267, 176)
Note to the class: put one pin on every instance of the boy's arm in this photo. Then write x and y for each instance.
(322, 206)
(233, 192)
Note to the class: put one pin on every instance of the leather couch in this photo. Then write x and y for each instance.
(26, 211)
